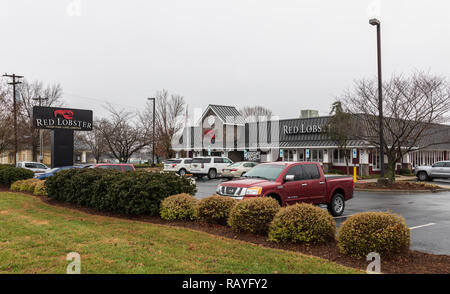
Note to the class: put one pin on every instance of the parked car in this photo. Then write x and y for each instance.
(210, 166)
(178, 165)
(51, 172)
(36, 167)
(439, 169)
(290, 183)
(238, 169)
(123, 167)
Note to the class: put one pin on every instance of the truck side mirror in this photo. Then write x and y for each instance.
(289, 178)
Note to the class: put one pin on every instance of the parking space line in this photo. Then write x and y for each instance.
(426, 225)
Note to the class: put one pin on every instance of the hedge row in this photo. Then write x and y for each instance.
(10, 174)
(35, 186)
(133, 193)
(361, 234)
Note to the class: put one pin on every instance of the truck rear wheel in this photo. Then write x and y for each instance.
(337, 205)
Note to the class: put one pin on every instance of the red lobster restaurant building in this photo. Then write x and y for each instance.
(222, 131)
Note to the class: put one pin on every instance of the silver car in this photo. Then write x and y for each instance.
(439, 169)
(35, 167)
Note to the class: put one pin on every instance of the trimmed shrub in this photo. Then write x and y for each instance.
(10, 174)
(16, 185)
(28, 185)
(302, 223)
(39, 189)
(178, 207)
(382, 232)
(215, 209)
(134, 193)
(253, 215)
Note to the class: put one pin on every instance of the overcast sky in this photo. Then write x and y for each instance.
(285, 55)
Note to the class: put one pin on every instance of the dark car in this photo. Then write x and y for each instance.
(291, 183)
(53, 171)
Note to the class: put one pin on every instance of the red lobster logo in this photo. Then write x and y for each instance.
(67, 114)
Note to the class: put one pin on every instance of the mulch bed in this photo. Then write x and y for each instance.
(412, 262)
(401, 185)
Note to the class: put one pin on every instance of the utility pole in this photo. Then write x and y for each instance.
(41, 133)
(153, 134)
(14, 83)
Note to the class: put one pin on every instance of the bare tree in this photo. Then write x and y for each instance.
(123, 133)
(169, 122)
(94, 140)
(27, 92)
(339, 130)
(412, 106)
(256, 113)
(6, 138)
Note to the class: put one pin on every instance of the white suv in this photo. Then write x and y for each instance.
(35, 167)
(178, 165)
(209, 166)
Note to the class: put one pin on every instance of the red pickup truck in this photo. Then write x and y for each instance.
(290, 183)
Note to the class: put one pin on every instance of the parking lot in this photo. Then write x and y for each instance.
(427, 214)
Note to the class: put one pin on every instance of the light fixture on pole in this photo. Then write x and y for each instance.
(376, 22)
(41, 134)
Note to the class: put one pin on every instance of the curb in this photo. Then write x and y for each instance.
(401, 191)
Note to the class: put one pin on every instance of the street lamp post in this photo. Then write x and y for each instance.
(41, 136)
(376, 22)
(153, 133)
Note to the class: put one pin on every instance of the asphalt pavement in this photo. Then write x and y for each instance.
(426, 214)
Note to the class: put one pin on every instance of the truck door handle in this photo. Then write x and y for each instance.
(321, 183)
(304, 185)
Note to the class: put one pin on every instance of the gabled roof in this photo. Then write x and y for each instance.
(227, 114)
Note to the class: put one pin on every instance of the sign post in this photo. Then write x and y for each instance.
(62, 122)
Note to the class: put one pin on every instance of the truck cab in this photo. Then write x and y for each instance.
(290, 183)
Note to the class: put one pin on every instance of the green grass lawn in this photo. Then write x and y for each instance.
(36, 237)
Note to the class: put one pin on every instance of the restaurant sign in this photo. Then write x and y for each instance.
(62, 118)
(302, 129)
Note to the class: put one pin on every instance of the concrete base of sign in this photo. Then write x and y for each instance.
(62, 148)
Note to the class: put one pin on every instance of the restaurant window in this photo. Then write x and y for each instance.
(338, 156)
(288, 155)
(301, 155)
(376, 159)
(315, 155)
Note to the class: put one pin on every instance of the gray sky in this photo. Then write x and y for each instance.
(285, 55)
